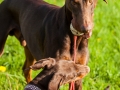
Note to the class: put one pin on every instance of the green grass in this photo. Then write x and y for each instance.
(104, 47)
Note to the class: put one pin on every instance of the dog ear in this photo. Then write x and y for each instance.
(48, 62)
(55, 82)
(105, 1)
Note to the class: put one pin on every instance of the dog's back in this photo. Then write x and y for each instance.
(29, 16)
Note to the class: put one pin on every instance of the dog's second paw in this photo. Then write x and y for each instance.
(47, 62)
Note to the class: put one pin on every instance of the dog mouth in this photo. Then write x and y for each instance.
(75, 32)
(87, 35)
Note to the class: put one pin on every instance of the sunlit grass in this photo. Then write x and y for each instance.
(104, 47)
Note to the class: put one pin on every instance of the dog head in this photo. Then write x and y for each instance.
(82, 16)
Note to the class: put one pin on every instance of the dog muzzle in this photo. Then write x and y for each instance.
(31, 87)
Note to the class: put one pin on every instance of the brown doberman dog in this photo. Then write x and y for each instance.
(55, 73)
(48, 29)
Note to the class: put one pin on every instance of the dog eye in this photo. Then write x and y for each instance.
(75, 4)
(91, 1)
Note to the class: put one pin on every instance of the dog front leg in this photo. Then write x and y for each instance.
(82, 59)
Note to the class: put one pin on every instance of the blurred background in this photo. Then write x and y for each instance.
(104, 48)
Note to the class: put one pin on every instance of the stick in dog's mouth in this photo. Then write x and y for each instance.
(77, 33)
(74, 31)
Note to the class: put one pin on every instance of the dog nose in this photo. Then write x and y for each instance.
(85, 29)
